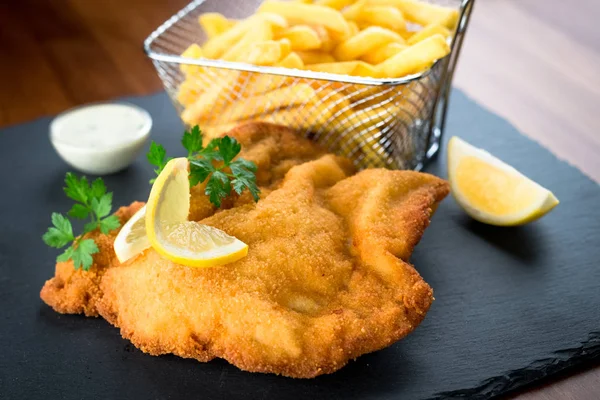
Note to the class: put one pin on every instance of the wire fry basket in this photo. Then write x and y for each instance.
(391, 123)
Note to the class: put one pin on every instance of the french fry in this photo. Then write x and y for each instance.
(292, 61)
(338, 37)
(342, 68)
(217, 130)
(289, 96)
(265, 53)
(327, 40)
(402, 32)
(302, 37)
(366, 41)
(415, 58)
(286, 48)
(260, 33)
(303, 119)
(428, 31)
(343, 137)
(382, 53)
(315, 57)
(277, 21)
(227, 84)
(371, 120)
(312, 116)
(366, 95)
(366, 38)
(384, 16)
(261, 84)
(218, 45)
(352, 13)
(331, 97)
(423, 13)
(214, 98)
(188, 92)
(299, 13)
(353, 121)
(214, 24)
(354, 29)
(364, 69)
(336, 4)
(406, 34)
(194, 51)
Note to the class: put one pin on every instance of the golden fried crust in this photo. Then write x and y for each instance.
(273, 148)
(326, 278)
(387, 213)
(74, 291)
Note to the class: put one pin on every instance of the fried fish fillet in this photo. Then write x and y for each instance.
(326, 278)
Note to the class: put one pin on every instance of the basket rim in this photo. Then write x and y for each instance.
(294, 73)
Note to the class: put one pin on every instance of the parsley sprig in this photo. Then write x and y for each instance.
(216, 162)
(93, 203)
(157, 156)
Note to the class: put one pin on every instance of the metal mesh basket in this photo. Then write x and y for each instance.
(393, 123)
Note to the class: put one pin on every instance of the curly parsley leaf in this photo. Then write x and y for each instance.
(157, 156)
(60, 234)
(243, 163)
(79, 211)
(98, 188)
(76, 189)
(211, 151)
(192, 141)
(109, 223)
(200, 169)
(101, 207)
(241, 184)
(229, 148)
(244, 178)
(218, 187)
(93, 202)
(66, 255)
(216, 164)
(82, 254)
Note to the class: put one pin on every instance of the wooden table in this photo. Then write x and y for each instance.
(534, 62)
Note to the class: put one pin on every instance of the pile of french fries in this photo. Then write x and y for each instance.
(368, 38)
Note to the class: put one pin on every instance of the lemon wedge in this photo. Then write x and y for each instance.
(173, 236)
(491, 191)
(132, 238)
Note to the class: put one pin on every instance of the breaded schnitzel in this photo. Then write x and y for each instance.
(326, 278)
(75, 291)
(274, 149)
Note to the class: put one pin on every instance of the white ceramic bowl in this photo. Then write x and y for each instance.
(101, 138)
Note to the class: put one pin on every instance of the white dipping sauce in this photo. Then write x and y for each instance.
(101, 138)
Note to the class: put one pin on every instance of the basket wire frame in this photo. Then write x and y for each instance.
(392, 123)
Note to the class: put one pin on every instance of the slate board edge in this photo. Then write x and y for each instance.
(536, 372)
(539, 370)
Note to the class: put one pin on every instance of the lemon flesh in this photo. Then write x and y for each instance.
(491, 191)
(173, 236)
(132, 238)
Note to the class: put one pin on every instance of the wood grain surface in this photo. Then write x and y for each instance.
(534, 62)
(537, 64)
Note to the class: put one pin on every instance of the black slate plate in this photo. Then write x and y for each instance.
(512, 305)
